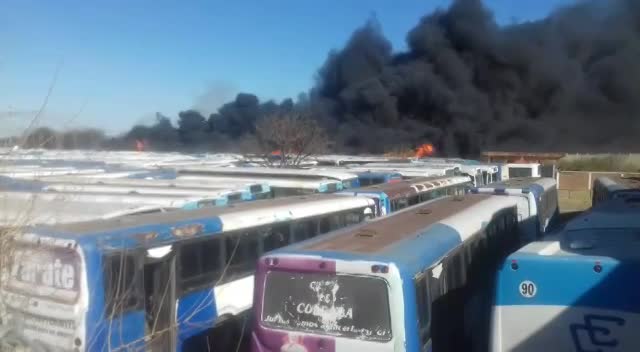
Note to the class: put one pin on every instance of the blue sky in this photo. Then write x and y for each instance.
(120, 61)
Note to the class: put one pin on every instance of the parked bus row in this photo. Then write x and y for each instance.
(418, 280)
(164, 279)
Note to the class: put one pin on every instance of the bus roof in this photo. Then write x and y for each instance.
(413, 237)
(617, 213)
(404, 171)
(374, 174)
(606, 231)
(521, 183)
(340, 175)
(196, 185)
(213, 219)
(620, 181)
(378, 235)
(38, 211)
(411, 186)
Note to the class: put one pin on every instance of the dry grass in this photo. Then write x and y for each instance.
(600, 162)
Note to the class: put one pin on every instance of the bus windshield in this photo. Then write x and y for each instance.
(340, 305)
(48, 272)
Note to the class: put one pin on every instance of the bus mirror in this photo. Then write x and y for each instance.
(158, 252)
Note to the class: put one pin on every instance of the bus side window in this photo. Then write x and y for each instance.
(243, 251)
(353, 217)
(401, 203)
(325, 224)
(337, 221)
(200, 263)
(122, 283)
(423, 306)
(304, 229)
(413, 200)
(276, 237)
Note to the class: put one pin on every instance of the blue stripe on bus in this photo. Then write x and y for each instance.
(125, 238)
(571, 281)
(196, 312)
(537, 191)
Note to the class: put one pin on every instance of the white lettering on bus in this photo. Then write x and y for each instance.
(56, 275)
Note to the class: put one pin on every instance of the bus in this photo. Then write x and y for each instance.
(278, 187)
(17, 210)
(348, 180)
(477, 173)
(410, 169)
(537, 203)
(368, 178)
(577, 290)
(52, 207)
(508, 171)
(606, 188)
(414, 281)
(392, 197)
(154, 281)
(158, 182)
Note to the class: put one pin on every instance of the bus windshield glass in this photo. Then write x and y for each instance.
(339, 305)
(47, 272)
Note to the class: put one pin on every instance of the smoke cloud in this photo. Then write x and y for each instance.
(569, 82)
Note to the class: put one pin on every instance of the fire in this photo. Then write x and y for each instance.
(140, 145)
(425, 150)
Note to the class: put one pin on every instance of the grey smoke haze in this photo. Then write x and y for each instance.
(215, 95)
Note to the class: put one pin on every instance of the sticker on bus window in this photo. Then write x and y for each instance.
(527, 289)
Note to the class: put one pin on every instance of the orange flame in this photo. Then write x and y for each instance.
(425, 150)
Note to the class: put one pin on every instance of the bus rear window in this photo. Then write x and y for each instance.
(339, 305)
(48, 272)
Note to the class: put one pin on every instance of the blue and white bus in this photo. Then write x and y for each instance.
(577, 290)
(413, 281)
(392, 197)
(156, 281)
(606, 188)
(537, 202)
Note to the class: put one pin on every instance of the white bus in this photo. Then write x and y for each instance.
(537, 203)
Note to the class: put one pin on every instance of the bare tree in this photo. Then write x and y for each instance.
(286, 140)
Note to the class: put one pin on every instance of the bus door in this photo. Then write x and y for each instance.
(160, 298)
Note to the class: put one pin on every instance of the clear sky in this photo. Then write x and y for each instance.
(120, 61)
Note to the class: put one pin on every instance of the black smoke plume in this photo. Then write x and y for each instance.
(569, 82)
